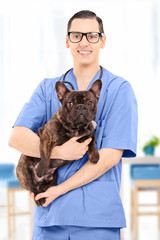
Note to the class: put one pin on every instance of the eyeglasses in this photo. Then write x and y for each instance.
(92, 37)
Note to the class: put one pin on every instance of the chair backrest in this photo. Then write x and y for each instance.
(145, 171)
(6, 170)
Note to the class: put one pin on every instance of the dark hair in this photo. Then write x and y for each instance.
(86, 14)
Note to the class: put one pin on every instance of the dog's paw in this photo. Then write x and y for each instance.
(94, 158)
(40, 202)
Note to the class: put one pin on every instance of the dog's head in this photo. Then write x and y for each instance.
(78, 107)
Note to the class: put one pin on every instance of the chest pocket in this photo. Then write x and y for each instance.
(99, 133)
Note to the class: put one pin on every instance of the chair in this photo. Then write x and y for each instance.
(10, 185)
(145, 178)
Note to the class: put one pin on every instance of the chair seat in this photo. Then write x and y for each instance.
(145, 172)
(8, 177)
(9, 182)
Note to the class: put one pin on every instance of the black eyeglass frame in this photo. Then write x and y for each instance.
(85, 34)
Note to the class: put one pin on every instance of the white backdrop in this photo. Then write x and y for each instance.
(32, 46)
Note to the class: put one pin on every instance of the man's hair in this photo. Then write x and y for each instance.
(86, 14)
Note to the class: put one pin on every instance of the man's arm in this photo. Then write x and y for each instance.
(27, 142)
(88, 173)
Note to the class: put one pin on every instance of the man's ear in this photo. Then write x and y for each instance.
(103, 41)
(67, 42)
(96, 88)
(61, 90)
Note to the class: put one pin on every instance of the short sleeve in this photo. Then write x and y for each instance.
(121, 124)
(33, 114)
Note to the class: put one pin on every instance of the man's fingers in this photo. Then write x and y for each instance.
(87, 148)
(87, 141)
(40, 195)
(76, 138)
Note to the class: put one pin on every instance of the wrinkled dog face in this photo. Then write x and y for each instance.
(79, 107)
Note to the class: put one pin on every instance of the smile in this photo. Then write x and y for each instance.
(84, 52)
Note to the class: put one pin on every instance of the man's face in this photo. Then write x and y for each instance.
(84, 52)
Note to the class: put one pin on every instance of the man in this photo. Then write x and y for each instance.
(85, 203)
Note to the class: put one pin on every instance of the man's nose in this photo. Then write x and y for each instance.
(84, 40)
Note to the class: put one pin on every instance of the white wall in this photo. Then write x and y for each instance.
(32, 46)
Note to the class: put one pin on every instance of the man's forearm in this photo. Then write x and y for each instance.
(25, 141)
(89, 172)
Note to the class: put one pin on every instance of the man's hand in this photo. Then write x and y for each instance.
(71, 150)
(51, 194)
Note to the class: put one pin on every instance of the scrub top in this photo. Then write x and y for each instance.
(98, 203)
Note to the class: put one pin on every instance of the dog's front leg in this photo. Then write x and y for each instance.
(93, 154)
(45, 151)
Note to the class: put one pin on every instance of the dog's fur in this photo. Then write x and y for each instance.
(74, 118)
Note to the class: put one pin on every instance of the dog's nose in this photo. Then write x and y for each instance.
(81, 107)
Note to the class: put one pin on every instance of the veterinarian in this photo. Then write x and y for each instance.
(85, 204)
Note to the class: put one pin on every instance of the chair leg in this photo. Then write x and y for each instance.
(8, 211)
(13, 210)
(158, 192)
(31, 210)
(135, 213)
(131, 211)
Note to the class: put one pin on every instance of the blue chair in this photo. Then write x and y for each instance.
(145, 178)
(10, 184)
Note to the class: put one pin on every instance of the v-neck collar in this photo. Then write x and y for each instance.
(71, 78)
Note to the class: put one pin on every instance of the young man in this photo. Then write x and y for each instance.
(85, 203)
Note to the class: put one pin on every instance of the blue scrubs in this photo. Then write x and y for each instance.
(75, 233)
(98, 203)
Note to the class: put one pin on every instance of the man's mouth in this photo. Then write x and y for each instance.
(84, 52)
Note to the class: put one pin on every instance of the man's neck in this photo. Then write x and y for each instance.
(84, 75)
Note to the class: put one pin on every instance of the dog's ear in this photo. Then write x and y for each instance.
(61, 90)
(96, 88)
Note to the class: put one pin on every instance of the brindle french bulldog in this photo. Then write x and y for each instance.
(74, 118)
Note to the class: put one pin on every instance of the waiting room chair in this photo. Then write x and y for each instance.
(10, 185)
(145, 178)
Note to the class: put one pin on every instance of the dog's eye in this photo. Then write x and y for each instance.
(69, 104)
(89, 103)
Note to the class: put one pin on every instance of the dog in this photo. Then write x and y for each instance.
(74, 118)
